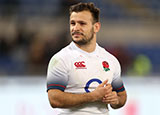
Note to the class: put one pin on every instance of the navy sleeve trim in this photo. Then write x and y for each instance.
(120, 89)
(56, 86)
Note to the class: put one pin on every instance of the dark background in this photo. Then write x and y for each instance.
(32, 31)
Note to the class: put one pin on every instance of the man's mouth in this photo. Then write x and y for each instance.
(77, 33)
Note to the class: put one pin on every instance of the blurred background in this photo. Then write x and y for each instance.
(32, 31)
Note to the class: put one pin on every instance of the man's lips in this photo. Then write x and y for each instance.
(77, 33)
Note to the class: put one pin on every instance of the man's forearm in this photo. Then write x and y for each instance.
(60, 99)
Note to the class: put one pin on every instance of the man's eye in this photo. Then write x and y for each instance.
(72, 23)
(82, 23)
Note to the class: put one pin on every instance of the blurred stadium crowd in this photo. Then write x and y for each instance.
(31, 31)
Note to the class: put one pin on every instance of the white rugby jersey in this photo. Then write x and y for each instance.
(76, 71)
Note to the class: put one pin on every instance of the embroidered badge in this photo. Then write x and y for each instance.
(105, 66)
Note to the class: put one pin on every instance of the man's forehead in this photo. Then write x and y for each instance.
(83, 15)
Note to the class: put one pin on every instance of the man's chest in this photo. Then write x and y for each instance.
(89, 72)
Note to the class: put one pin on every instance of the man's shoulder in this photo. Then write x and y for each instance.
(103, 51)
(108, 54)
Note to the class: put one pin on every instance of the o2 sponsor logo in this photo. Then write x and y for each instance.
(90, 82)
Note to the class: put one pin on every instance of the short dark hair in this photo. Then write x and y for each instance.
(86, 7)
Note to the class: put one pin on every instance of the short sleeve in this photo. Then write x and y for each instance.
(117, 82)
(57, 76)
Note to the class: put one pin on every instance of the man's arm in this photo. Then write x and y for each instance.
(60, 99)
(122, 97)
(116, 100)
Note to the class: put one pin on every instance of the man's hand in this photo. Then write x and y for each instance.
(116, 100)
(111, 98)
(102, 90)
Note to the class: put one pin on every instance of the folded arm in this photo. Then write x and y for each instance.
(60, 99)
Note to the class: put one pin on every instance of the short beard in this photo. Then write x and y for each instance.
(84, 41)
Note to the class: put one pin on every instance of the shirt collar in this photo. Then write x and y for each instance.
(73, 45)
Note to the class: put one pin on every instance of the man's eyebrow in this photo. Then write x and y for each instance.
(81, 21)
(71, 20)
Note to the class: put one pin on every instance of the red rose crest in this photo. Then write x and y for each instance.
(105, 66)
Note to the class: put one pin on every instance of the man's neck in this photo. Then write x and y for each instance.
(90, 47)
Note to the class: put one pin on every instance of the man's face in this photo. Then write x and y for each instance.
(81, 27)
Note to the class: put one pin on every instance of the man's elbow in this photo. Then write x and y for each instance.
(54, 98)
(56, 104)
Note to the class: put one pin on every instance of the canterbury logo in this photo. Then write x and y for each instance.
(80, 65)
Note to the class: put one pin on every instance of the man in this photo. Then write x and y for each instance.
(83, 78)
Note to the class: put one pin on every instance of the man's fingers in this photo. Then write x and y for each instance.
(109, 87)
(113, 94)
(103, 83)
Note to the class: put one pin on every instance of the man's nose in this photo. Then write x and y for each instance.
(77, 27)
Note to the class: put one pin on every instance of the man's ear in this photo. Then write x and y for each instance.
(97, 26)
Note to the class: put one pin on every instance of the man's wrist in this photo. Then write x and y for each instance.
(92, 97)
